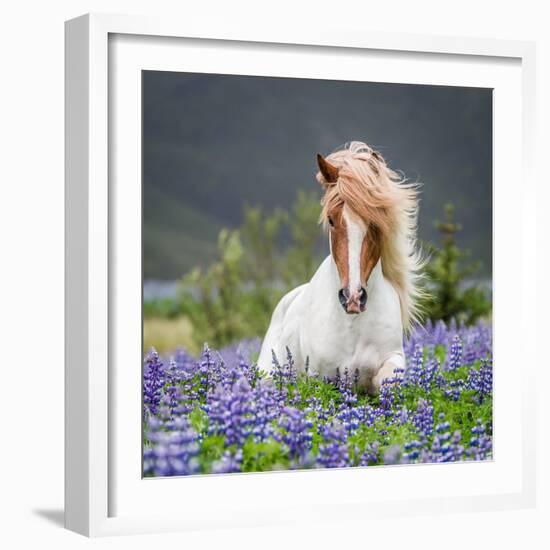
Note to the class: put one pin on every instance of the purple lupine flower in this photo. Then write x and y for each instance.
(315, 409)
(481, 380)
(153, 381)
(173, 452)
(455, 356)
(265, 409)
(348, 413)
(240, 352)
(457, 450)
(295, 432)
(277, 372)
(370, 455)
(289, 368)
(429, 373)
(225, 374)
(229, 463)
(476, 340)
(249, 370)
(285, 375)
(345, 386)
(370, 415)
(477, 343)
(169, 403)
(445, 447)
(481, 446)
(412, 450)
(333, 452)
(440, 333)
(423, 419)
(184, 361)
(470, 348)
(393, 455)
(206, 371)
(233, 364)
(171, 398)
(229, 411)
(352, 418)
(486, 376)
(387, 399)
(403, 416)
(413, 372)
(453, 389)
(453, 327)
(227, 396)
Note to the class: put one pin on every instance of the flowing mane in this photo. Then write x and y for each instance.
(381, 197)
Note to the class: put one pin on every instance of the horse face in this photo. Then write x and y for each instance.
(355, 247)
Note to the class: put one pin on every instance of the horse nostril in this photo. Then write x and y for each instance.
(362, 297)
(343, 296)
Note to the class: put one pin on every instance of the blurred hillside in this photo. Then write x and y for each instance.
(212, 143)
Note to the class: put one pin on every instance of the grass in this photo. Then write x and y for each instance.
(167, 334)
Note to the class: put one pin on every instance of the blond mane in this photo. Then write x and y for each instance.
(379, 196)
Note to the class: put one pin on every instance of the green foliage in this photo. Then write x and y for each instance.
(165, 308)
(260, 232)
(261, 265)
(235, 296)
(264, 456)
(302, 258)
(272, 252)
(212, 299)
(446, 274)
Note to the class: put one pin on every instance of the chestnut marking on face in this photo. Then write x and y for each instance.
(355, 248)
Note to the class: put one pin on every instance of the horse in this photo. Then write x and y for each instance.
(365, 295)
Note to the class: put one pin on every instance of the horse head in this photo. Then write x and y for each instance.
(356, 219)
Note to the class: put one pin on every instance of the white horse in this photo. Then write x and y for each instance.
(355, 309)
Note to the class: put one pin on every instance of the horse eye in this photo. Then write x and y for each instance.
(331, 223)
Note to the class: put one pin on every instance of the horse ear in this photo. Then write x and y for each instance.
(328, 171)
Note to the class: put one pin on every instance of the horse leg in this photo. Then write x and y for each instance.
(386, 371)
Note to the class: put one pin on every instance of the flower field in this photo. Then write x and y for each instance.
(218, 414)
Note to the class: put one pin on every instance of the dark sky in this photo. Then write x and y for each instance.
(213, 142)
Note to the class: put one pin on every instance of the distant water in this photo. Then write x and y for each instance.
(154, 289)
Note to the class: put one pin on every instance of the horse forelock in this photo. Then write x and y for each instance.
(366, 185)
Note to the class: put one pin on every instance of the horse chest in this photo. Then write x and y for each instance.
(316, 328)
(354, 342)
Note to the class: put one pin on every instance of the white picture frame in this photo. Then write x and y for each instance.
(103, 496)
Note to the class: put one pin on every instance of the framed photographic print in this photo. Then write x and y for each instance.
(288, 257)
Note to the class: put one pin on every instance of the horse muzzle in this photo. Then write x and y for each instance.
(353, 303)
